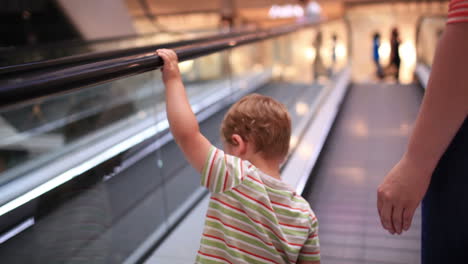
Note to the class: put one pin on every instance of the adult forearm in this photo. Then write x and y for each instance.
(183, 122)
(445, 105)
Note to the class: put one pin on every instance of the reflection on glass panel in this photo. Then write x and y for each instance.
(74, 181)
(89, 220)
(244, 58)
(430, 31)
(207, 79)
(282, 56)
(315, 53)
(252, 65)
(44, 130)
(335, 41)
(302, 56)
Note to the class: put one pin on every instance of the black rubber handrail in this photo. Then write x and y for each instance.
(17, 69)
(21, 89)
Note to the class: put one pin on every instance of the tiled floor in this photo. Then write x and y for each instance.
(369, 137)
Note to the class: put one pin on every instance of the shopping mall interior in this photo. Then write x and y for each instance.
(90, 172)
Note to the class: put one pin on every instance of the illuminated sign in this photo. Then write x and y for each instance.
(286, 11)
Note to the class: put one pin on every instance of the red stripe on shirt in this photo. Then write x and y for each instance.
(226, 163)
(242, 250)
(225, 181)
(249, 233)
(239, 229)
(460, 6)
(228, 205)
(256, 221)
(211, 167)
(285, 205)
(279, 237)
(246, 232)
(213, 256)
(455, 2)
(253, 199)
(458, 14)
(310, 253)
(253, 178)
(303, 227)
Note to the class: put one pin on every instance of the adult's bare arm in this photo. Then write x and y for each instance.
(443, 110)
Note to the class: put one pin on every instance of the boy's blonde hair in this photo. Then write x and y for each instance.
(262, 120)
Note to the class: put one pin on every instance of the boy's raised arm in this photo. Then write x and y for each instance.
(182, 122)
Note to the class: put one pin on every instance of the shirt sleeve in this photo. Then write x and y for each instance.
(458, 12)
(222, 172)
(311, 249)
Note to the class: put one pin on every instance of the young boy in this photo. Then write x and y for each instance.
(252, 217)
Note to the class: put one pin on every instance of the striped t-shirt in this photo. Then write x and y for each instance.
(458, 11)
(253, 217)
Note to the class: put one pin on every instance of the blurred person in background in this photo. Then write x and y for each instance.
(376, 55)
(319, 66)
(333, 54)
(395, 60)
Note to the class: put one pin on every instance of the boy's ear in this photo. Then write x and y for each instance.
(240, 143)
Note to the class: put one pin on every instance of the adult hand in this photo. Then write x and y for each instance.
(400, 193)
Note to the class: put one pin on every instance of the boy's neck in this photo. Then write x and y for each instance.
(270, 167)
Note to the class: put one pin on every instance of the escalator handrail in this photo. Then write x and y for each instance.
(25, 88)
(103, 55)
